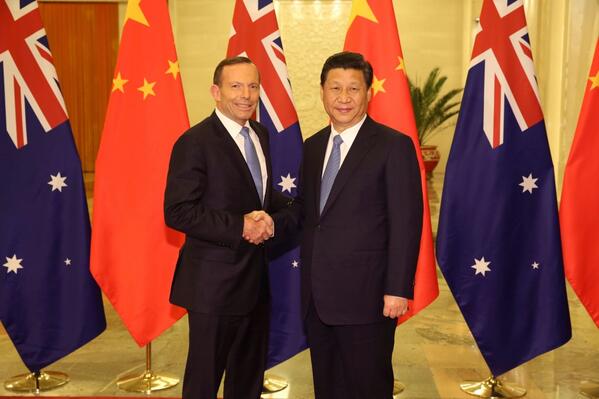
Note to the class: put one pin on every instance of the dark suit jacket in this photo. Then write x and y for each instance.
(209, 189)
(366, 242)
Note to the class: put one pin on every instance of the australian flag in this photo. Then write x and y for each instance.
(498, 242)
(49, 303)
(255, 34)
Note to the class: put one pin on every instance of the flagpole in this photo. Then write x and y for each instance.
(589, 389)
(148, 381)
(492, 388)
(36, 382)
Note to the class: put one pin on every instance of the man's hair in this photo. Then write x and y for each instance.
(226, 62)
(347, 60)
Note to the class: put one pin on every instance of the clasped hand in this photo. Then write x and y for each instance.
(258, 227)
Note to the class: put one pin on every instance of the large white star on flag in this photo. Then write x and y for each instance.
(481, 266)
(535, 265)
(528, 183)
(295, 264)
(57, 182)
(13, 264)
(287, 183)
(67, 262)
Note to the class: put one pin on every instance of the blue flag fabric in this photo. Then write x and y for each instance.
(286, 336)
(256, 35)
(498, 241)
(49, 303)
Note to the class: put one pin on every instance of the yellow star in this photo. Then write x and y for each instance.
(401, 66)
(173, 68)
(377, 85)
(135, 13)
(118, 83)
(594, 81)
(361, 8)
(147, 88)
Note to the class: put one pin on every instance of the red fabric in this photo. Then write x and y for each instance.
(133, 253)
(579, 212)
(380, 45)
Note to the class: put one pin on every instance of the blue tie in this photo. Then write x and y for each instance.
(251, 157)
(330, 172)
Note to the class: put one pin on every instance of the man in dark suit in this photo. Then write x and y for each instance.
(362, 218)
(217, 192)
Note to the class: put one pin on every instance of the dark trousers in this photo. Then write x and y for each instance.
(237, 344)
(351, 361)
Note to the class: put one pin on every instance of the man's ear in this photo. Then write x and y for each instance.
(215, 92)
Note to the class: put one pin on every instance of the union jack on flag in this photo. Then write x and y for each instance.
(498, 241)
(28, 71)
(255, 34)
(503, 45)
(49, 303)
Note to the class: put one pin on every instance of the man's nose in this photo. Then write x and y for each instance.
(245, 92)
(344, 96)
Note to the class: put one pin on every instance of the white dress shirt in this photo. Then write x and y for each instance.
(234, 130)
(348, 136)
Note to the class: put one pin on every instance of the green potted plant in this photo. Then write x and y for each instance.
(432, 108)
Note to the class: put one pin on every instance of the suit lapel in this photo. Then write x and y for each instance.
(358, 150)
(236, 155)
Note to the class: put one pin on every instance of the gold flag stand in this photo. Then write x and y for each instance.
(148, 381)
(273, 383)
(493, 388)
(36, 382)
(590, 389)
(398, 388)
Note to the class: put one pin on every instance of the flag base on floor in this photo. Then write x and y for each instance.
(590, 389)
(493, 388)
(36, 382)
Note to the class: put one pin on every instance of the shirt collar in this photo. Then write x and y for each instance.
(349, 134)
(232, 127)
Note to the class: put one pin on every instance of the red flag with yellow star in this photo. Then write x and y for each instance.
(579, 216)
(133, 253)
(373, 32)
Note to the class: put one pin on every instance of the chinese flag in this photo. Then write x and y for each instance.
(579, 216)
(133, 253)
(373, 32)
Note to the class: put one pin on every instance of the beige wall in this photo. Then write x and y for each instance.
(433, 33)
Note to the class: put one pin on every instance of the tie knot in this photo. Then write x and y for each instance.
(245, 132)
(337, 140)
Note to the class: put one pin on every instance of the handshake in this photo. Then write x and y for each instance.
(258, 227)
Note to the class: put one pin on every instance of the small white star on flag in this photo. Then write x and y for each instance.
(287, 183)
(535, 265)
(481, 266)
(528, 183)
(57, 182)
(295, 264)
(67, 262)
(13, 264)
